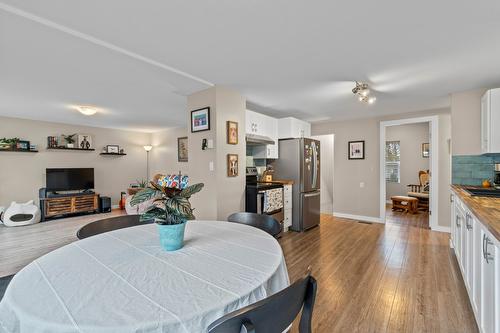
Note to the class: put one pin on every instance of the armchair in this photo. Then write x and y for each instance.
(421, 191)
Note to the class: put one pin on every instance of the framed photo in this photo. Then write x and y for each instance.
(112, 149)
(425, 150)
(232, 132)
(356, 150)
(200, 120)
(23, 145)
(182, 149)
(84, 141)
(232, 165)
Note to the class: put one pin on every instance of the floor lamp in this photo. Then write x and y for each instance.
(147, 149)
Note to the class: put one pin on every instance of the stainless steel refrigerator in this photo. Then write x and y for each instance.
(299, 160)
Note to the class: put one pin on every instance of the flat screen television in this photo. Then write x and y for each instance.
(69, 179)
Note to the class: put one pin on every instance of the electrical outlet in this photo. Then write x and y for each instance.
(211, 165)
(362, 184)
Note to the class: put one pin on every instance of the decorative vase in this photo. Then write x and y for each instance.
(171, 236)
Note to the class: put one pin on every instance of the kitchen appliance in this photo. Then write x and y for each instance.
(496, 181)
(300, 161)
(263, 198)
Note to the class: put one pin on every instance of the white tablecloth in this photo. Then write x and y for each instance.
(122, 281)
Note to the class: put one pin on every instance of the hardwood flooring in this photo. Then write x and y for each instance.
(21, 245)
(398, 277)
(380, 278)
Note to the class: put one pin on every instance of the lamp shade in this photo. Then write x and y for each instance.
(148, 148)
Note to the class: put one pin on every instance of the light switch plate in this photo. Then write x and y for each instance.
(210, 144)
(211, 165)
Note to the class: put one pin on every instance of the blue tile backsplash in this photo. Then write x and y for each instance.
(473, 169)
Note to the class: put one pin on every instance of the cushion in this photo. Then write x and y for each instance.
(418, 195)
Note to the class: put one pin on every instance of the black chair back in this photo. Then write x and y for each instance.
(273, 314)
(110, 224)
(261, 221)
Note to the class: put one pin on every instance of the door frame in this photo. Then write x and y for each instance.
(433, 165)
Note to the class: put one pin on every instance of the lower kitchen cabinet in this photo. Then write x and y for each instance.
(478, 255)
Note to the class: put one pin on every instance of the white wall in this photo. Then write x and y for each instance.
(466, 122)
(326, 164)
(164, 154)
(22, 174)
(349, 196)
(411, 137)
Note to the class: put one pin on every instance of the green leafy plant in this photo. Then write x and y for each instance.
(69, 138)
(170, 205)
(6, 143)
(143, 183)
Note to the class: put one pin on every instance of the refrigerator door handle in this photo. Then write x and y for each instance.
(314, 163)
(307, 195)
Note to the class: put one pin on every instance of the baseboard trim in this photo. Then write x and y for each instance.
(441, 229)
(358, 217)
(115, 206)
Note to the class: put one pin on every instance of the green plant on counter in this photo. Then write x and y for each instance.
(69, 138)
(170, 206)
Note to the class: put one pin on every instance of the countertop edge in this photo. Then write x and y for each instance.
(485, 218)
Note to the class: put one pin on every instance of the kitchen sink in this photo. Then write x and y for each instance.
(484, 192)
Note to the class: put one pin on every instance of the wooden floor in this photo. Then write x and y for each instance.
(21, 245)
(381, 278)
(398, 277)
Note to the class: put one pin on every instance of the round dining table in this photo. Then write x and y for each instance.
(123, 281)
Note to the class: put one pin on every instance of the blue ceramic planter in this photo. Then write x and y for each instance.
(171, 236)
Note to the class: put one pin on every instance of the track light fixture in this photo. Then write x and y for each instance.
(362, 91)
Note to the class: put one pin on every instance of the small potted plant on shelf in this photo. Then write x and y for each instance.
(170, 209)
(8, 144)
(70, 140)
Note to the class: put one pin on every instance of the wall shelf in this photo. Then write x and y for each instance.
(19, 150)
(113, 154)
(66, 148)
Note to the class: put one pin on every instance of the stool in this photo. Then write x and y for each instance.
(407, 204)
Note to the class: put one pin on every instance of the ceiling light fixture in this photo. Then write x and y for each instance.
(363, 92)
(86, 110)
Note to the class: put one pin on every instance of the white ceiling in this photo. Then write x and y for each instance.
(138, 60)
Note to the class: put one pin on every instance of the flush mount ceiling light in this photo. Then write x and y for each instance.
(87, 110)
(363, 92)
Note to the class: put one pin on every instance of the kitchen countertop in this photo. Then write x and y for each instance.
(486, 209)
(280, 181)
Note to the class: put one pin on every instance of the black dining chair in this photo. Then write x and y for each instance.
(275, 313)
(110, 224)
(261, 221)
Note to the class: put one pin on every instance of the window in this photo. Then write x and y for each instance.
(392, 161)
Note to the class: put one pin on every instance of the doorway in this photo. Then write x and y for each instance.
(326, 171)
(417, 177)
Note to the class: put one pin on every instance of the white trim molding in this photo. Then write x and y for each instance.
(440, 228)
(358, 217)
(434, 166)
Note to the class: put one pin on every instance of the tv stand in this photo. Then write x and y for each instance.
(63, 205)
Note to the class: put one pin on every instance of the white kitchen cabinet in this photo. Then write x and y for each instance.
(478, 254)
(293, 128)
(260, 124)
(490, 118)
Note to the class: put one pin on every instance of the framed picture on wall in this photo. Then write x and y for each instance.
(232, 132)
(425, 150)
(356, 150)
(200, 120)
(84, 141)
(232, 165)
(112, 149)
(182, 149)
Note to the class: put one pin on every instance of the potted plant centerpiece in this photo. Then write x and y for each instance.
(70, 140)
(170, 209)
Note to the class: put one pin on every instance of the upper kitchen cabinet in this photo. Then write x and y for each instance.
(262, 135)
(293, 128)
(490, 116)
